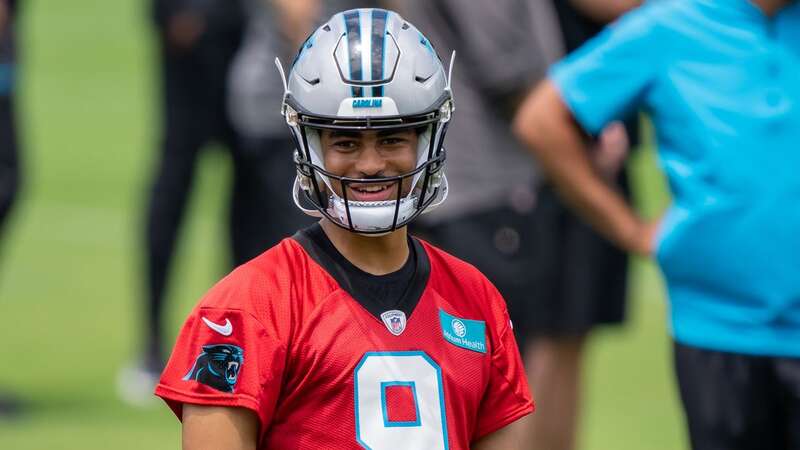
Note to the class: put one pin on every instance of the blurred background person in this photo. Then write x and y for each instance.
(578, 278)
(719, 80)
(9, 152)
(197, 39)
(559, 277)
(274, 28)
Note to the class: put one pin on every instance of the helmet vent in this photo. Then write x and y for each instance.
(405, 26)
(313, 81)
(327, 27)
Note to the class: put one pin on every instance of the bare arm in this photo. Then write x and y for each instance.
(184, 29)
(547, 127)
(605, 10)
(216, 427)
(297, 18)
(506, 438)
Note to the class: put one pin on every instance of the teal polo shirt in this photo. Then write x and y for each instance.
(721, 83)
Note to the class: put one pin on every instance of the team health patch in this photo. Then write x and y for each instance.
(465, 333)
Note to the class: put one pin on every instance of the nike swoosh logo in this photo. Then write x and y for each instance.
(224, 330)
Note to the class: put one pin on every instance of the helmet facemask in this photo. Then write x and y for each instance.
(418, 190)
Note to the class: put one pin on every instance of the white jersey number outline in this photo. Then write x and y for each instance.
(413, 369)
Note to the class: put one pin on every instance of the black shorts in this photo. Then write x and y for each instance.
(579, 278)
(739, 402)
(557, 276)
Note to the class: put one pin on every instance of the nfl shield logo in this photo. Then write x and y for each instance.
(395, 321)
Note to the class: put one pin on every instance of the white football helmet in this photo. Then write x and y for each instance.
(367, 69)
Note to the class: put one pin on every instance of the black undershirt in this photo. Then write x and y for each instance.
(399, 290)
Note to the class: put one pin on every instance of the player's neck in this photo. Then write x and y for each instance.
(770, 7)
(377, 255)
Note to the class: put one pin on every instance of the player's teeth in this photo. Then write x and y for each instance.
(372, 189)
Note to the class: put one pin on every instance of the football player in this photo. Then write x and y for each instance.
(353, 334)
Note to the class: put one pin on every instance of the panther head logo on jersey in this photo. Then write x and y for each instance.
(218, 366)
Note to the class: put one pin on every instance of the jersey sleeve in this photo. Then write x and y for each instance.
(507, 397)
(607, 78)
(224, 356)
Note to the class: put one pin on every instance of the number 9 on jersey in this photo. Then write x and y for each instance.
(399, 402)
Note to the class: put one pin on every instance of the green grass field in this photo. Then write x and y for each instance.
(71, 261)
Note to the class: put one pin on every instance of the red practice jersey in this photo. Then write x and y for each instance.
(281, 336)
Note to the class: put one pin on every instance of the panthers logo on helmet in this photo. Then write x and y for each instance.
(218, 366)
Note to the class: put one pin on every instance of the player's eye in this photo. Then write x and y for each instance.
(345, 144)
(393, 140)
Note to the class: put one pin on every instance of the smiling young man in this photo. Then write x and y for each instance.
(352, 334)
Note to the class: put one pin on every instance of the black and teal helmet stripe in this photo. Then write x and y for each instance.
(366, 47)
(352, 23)
(378, 48)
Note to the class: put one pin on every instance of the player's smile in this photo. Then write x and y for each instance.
(372, 192)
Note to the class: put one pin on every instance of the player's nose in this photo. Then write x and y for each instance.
(370, 161)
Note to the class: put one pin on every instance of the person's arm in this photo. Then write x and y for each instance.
(184, 29)
(216, 427)
(224, 393)
(507, 438)
(297, 18)
(179, 24)
(604, 11)
(545, 124)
